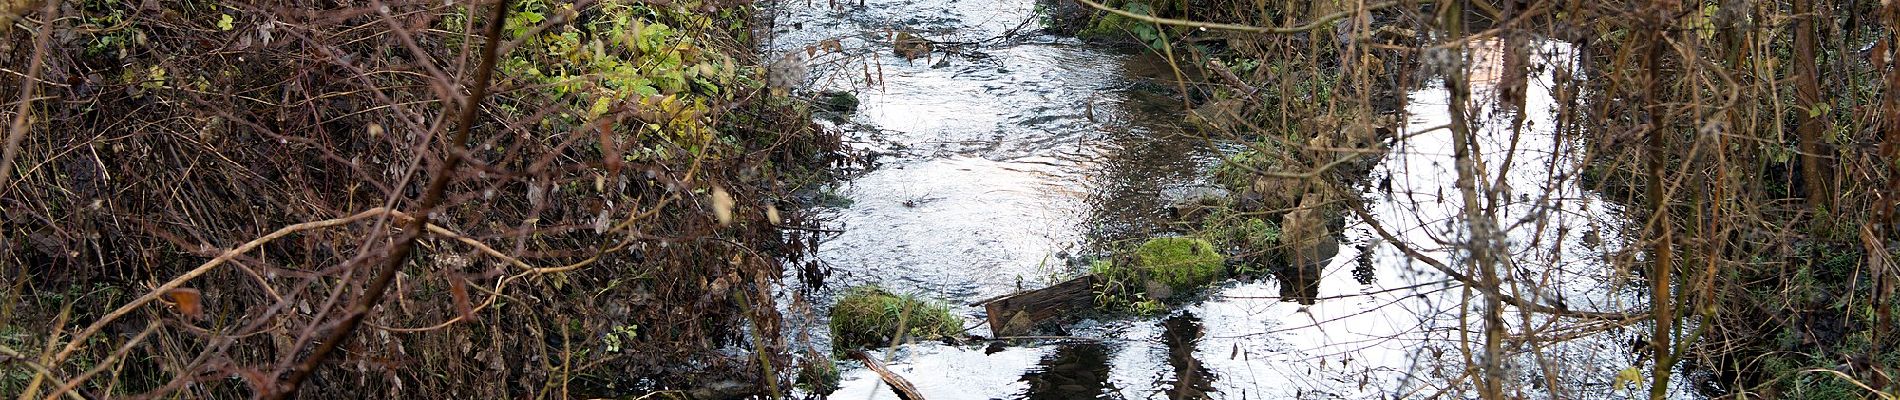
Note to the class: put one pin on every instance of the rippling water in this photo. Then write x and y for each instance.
(1000, 163)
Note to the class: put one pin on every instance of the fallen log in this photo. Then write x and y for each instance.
(904, 389)
(1019, 313)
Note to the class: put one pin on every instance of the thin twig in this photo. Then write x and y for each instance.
(70, 384)
(15, 356)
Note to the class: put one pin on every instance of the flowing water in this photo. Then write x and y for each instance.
(1002, 163)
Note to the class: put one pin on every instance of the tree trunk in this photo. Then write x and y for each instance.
(1812, 122)
(1661, 232)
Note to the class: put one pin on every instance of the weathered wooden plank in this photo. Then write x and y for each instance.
(1019, 313)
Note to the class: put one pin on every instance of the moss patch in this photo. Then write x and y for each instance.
(1157, 270)
(868, 317)
(1181, 263)
(840, 102)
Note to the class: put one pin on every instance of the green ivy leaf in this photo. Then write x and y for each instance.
(645, 90)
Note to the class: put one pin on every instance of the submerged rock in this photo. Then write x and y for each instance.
(836, 101)
(910, 46)
(1226, 115)
(1191, 205)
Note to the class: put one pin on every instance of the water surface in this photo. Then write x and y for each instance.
(1003, 160)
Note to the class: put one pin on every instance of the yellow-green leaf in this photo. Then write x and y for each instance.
(226, 22)
(1628, 379)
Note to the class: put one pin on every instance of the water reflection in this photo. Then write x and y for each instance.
(1078, 371)
(1182, 333)
(1145, 154)
(1299, 285)
(999, 167)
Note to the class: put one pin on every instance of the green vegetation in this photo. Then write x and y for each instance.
(1181, 263)
(869, 316)
(1121, 289)
(1159, 269)
(655, 83)
(1115, 26)
(836, 101)
(1236, 172)
(1251, 238)
(620, 156)
(818, 375)
(1110, 27)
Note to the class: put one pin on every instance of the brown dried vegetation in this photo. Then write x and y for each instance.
(250, 166)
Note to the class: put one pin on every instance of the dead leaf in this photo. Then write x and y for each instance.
(188, 301)
(722, 205)
(458, 291)
(609, 147)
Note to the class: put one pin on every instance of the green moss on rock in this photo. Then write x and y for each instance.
(1110, 26)
(1158, 269)
(1181, 263)
(840, 102)
(868, 317)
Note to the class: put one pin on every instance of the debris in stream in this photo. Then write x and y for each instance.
(910, 46)
(904, 389)
(1022, 312)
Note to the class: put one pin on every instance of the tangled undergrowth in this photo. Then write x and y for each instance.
(204, 188)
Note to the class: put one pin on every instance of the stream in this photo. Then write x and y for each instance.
(1001, 165)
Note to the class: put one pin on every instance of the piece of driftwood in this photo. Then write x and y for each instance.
(1019, 313)
(904, 389)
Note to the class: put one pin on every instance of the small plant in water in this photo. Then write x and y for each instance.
(869, 316)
